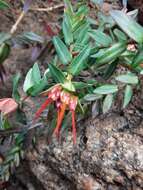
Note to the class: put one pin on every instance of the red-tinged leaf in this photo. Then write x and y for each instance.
(73, 127)
(60, 119)
(8, 105)
(49, 30)
(42, 108)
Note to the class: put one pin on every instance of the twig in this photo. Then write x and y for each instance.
(16, 130)
(14, 27)
(48, 9)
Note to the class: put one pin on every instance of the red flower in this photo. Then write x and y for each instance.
(64, 100)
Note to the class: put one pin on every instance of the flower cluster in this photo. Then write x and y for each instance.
(63, 101)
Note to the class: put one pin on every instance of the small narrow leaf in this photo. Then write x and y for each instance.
(120, 35)
(28, 83)
(4, 52)
(57, 74)
(110, 54)
(38, 87)
(128, 78)
(36, 75)
(106, 89)
(68, 6)
(81, 85)
(128, 25)
(15, 93)
(101, 38)
(138, 59)
(78, 62)
(92, 97)
(3, 4)
(62, 51)
(67, 30)
(128, 95)
(4, 37)
(107, 103)
(110, 70)
(32, 37)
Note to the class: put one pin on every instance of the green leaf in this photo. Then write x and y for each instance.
(128, 95)
(31, 36)
(110, 54)
(128, 78)
(81, 85)
(68, 85)
(32, 78)
(4, 52)
(80, 33)
(82, 11)
(4, 37)
(15, 93)
(78, 62)
(37, 87)
(6, 124)
(62, 51)
(82, 37)
(67, 30)
(138, 59)
(36, 75)
(57, 74)
(120, 35)
(92, 97)
(3, 4)
(28, 83)
(101, 38)
(128, 25)
(68, 7)
(107, 103)
(106, 89)
(110, 70)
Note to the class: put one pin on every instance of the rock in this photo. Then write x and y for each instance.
(108, 156)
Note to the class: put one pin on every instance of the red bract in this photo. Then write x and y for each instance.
(63, 101)
(7, 106)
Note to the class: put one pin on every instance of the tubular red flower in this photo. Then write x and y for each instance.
(60, 119)
(65, 97)
(73, 127)
(73, 103)
(55, 93)
(42, 108)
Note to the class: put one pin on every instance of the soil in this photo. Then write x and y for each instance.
(109, 150)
